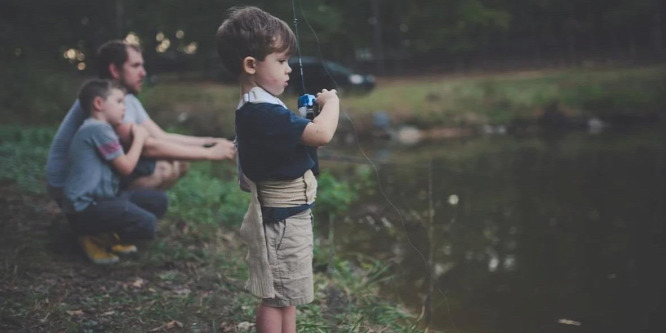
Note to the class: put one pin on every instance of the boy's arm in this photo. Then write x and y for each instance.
(320, 131)
(125, 164)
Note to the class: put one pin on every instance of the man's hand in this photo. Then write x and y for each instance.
(222, 149)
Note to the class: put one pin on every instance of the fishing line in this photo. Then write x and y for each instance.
(298, 45)
(372, 164)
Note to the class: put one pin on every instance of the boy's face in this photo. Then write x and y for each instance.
(272, 73)
(132, 72)
(113, 107)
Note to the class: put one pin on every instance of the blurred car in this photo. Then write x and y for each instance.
(332, 76)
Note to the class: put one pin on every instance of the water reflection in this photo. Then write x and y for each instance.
(522, 234)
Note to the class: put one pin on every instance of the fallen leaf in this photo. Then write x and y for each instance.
(138, 283)
(182, 291)
(227, 327)
(75, 313)
(564, 321)
(245, 325)
(168, 326)
(108, 313)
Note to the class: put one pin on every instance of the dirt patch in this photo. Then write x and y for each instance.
(47, 285)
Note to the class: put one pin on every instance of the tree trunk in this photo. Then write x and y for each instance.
(657, 36)
(377, 38)
(120, 17)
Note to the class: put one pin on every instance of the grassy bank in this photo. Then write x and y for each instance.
(447, 100)
(190, 279)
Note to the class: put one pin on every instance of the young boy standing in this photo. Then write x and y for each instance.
(103, 217)
(275, 156)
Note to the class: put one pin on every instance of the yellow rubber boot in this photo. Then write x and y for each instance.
(120, 248)
(95, 248)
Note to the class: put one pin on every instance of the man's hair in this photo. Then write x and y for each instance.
(251, 32)
(94, 88)
(113, 52)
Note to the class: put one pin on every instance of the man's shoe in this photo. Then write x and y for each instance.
(123, 249)
(95, 249)
(119, 248)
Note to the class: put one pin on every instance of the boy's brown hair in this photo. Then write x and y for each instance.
(251, 32)
(95, 88)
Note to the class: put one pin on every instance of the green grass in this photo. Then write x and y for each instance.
(500, 98)
(193, 272)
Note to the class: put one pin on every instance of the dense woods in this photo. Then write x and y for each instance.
(382, 36)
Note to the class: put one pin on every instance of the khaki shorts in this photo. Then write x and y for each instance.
(290, 257)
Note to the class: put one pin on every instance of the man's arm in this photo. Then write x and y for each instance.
(158, 133)
(164, 149)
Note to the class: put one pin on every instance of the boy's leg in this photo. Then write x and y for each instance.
(271, 319)
(289, 319)
(117, 215)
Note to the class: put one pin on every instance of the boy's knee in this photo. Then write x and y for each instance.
(165, 171)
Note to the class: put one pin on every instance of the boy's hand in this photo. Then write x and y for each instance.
(124, 132)
(326, 96)
(139, 132)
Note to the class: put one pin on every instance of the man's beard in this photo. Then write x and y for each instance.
(129, 89)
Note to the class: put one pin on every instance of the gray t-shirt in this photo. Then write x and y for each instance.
(56, 164)
(90, 175)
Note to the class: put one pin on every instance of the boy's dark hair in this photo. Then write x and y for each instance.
(94, 88)
(113, 52)
(251, 32)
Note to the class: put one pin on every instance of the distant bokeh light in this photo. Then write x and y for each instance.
(191, 48)
(70, 54)
(163, 45)
(132, 38)
(180, 34)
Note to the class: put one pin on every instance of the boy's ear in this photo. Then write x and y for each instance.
(114, 71)
(97, 103)
(249, 65)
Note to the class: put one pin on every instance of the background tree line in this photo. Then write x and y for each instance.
(388, 36)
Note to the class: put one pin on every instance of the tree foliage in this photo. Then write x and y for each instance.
(415, 33)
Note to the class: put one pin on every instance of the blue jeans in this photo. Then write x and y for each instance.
(132, 215)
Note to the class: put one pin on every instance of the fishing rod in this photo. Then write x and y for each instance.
(306, 102)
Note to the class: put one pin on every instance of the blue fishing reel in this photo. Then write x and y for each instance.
(307, 106)
(309, 109)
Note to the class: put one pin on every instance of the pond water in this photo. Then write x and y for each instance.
(557, 233)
